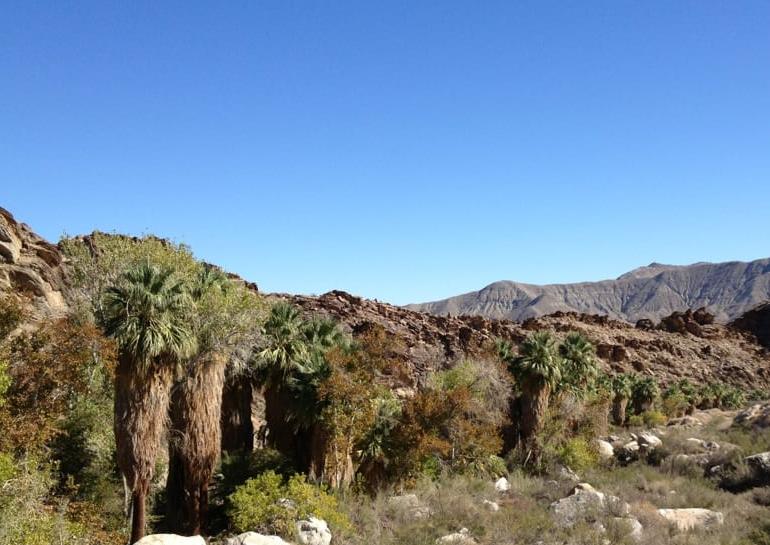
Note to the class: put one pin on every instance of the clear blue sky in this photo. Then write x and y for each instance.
(405, 151)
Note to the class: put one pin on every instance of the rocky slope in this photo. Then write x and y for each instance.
(726, 289)
(710, 352)
(683, 345)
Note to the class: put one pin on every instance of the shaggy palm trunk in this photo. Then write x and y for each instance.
(141, 406)
(619, 405)
(534, 405)
(237, 427)
(194, 446)
(294, 445)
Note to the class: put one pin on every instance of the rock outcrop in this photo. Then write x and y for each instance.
(757, 322)
(31, 267)
(720, 353)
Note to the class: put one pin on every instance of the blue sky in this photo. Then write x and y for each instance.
(405, 151)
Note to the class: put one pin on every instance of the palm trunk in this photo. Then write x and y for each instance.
(237, 427)
(137, 520)
(196, 406)
(295, 446)
(141, 407)
(534, 401)
(619, 405)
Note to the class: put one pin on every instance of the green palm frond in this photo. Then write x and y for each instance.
(538, 362)
(146, 312)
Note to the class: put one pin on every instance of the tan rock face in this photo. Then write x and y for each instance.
(31, 267)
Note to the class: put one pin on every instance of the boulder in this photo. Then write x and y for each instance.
(692, 518)
(684, 421)
(313, 531)
(253, 538)
(631, 525)
(170, 539)
(463, 537)
(502, 485)
(410, 505)
(605, 449)
(491, 505)
(628, 452)
(566, 474)
(703, 316)
(756, 416)
(648, 441)
(645, 324)
(700, 443)
(586, 504)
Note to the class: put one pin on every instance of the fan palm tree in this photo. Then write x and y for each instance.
(621, 392)
(537, 371)
(146, 313)
(579, 370)
(284, 354)
(644, 393)
(196, 406)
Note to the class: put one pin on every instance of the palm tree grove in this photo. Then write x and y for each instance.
(384, 273)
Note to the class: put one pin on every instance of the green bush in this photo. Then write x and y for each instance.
(653, 418)
(578, 454)
(7, 467)
(635, 421)
(270, 505)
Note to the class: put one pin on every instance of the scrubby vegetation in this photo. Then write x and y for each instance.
(114, 422)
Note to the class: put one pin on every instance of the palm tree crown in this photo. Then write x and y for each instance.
(578, 363)
(146, 311)
(538, 364)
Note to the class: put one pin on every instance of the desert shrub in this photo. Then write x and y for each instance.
(635, 421)
(653, 418)
(453, 424)
(260, 504)
(676, 401)
(577, 453)
(12, 313)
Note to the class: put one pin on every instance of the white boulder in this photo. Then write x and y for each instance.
(606, 450)
(586, 503)
(410, 506)
(502, 485)
(491, 505)
(463, 537)
(253, 538)
(170, 539)
(313, 531)
(648, 440)
(692, 518)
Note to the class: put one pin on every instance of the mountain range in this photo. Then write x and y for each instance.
(725, 289)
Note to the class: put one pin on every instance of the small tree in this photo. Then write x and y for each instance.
(537, 372)
(645, 392)
(621, 393)
(579, 369)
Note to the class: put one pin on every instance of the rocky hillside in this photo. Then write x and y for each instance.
(683, 346)
(726, 289)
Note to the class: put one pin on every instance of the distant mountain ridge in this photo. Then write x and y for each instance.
(726, 289)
